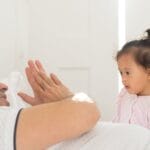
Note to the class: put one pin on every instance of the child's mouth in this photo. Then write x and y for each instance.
(127, 87)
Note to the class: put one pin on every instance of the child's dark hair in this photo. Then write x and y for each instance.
(139, 49)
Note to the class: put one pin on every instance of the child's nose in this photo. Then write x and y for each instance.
(3, 87)
(124, 79)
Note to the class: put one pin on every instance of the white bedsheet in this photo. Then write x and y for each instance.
(105, 135)
(109, 136)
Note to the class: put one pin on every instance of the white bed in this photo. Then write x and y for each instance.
(109, 136)
(105, 135)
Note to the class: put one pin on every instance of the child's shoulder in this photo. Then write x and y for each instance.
(124, 95)
(123, 92)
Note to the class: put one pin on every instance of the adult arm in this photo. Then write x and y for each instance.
(44, 125)
(61, 114)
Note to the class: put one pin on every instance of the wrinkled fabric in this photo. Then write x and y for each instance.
(109, 136)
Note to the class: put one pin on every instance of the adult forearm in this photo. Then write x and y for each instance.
(55, 122)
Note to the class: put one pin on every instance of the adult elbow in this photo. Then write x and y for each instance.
(94, 115)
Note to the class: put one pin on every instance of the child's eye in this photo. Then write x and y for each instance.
(127, 73)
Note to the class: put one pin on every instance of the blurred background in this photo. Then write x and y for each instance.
(76, 39)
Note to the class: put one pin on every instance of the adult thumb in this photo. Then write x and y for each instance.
(26, 98)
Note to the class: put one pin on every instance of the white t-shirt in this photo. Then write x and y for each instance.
(9, 115)
(8, 124)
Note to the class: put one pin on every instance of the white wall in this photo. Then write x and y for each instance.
(137, 18)
(13, 35)
(77, 39)
(7, 36)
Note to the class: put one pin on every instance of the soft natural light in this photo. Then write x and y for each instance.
(121, 29)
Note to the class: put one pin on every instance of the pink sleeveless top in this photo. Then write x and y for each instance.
(133, 109)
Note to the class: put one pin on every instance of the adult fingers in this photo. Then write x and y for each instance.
(32, 65)
(27, 98)
(43, 73)
(32, 81)
(30, 78)
(38, 71)
(41, 82)
(55, 79)
(39, 66)
(47, 79)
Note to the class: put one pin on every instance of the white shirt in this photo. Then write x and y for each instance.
(8, 123)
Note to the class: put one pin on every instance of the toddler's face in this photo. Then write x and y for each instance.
(135, 78)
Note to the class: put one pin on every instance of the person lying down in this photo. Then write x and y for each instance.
(60, 120)
(56, 114)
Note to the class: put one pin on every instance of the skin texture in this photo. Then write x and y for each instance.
(60, 116)
(135, 78)
(44, 125)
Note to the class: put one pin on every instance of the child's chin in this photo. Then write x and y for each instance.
(131, 92)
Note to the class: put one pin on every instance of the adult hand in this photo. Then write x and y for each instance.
(45, 88)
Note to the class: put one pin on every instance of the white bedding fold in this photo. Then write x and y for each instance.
(109, 136)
